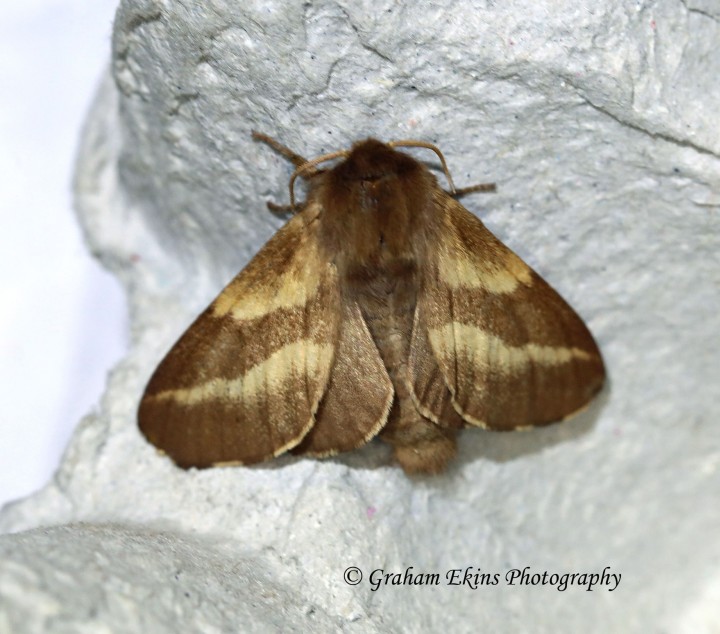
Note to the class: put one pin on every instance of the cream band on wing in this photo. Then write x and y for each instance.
(503, 277)
(298, 359)
(294, 290)
(490, 353)
(260, 291)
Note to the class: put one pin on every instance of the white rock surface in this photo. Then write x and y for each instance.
(599, 125)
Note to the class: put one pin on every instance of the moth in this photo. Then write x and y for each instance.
(381, 308)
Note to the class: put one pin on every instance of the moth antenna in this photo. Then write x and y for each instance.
(429, 146)
(311, 165)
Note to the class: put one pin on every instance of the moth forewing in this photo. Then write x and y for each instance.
(512, 352)
(243, 383)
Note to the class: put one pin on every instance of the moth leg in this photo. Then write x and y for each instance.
(283, 210)
(291, 156)
(420, 445)
(297, 160)
(481, 188)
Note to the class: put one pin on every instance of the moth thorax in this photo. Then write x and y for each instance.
(376, 220)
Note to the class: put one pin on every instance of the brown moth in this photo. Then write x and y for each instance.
(382, 308)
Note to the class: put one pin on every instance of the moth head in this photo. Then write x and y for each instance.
(376, 178)
(370, 163)
(374, 203)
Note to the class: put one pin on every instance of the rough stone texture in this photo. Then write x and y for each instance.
(599, 125)
(190, 581)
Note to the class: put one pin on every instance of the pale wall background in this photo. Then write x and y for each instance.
(62, 317)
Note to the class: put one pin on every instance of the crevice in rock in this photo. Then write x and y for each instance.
(653, 134)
